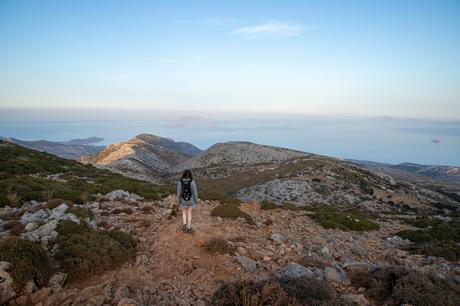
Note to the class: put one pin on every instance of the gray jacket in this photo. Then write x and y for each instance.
(193, 200)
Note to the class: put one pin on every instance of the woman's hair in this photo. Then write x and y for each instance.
(187, 174)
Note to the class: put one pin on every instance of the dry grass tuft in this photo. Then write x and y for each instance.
(280, 292)
(397, 285)
(219, 245)
(125, 210)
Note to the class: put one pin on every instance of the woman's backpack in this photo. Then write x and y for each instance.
(186, 189)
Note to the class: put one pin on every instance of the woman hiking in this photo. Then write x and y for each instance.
(187, 197)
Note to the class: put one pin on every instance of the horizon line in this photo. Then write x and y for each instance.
(229, 112)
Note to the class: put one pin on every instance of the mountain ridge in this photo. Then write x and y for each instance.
(144, 156)
(72, 149)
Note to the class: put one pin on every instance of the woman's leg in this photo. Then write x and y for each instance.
(189, 217)
(184, 215)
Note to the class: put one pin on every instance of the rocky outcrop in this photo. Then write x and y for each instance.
(49, 219)
(121, 194)
(144, 157)
(240, 153)
(295, 270)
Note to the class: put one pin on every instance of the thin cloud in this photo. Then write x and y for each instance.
(171, 61)
(274, 29)
(181, 62)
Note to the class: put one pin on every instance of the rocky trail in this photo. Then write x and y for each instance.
(174, 268)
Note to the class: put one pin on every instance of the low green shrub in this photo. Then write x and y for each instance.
(217, 196)
(330, 217)
(441, 239)
(125, 239)
(449, 249)
(83, 251)
(231, 211)
(81, 212)
(89, 253)
(439, 232)
(67, 227)
(28, 261)
(423, 222)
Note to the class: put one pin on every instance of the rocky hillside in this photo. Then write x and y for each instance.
(240, 154)
(72, 149)
(144, 157)
(447, 174)
(256, 172)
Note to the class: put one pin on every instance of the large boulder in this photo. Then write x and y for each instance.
(70, 217)
(278, 238)
(247, 263)
(45, 232)
(59, 211)
(360, 266)
(32, 226)
(39, 215)
(295, 270)
(121, 194)
(335, 276)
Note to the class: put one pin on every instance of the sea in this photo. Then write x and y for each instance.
(380, 139)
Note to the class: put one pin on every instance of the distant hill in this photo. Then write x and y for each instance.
(278, 175)
(449, 174)
(144, 156)
(72, 149)
(240, 153)
(84, 141)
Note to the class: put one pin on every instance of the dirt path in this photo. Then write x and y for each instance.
(179, 260)
(173, 261)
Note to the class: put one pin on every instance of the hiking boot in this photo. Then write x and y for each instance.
(189, 230)
(184, 228)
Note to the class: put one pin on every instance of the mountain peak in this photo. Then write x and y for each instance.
(145, 156)
(149, 137)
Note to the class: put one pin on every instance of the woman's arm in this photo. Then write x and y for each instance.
(179, 191)
(194, 192)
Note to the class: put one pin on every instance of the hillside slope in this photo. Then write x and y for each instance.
(239, 154)
(262, 173)
(27, 174)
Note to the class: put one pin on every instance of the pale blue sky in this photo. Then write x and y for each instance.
(397, 58)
